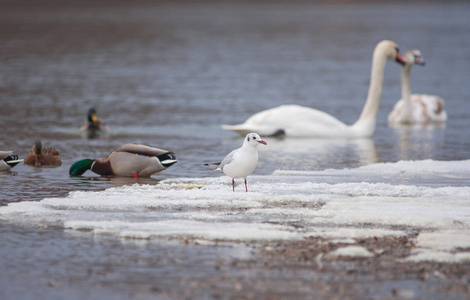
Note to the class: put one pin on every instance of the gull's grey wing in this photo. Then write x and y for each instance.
(227, 159)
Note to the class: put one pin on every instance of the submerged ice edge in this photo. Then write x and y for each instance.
(430, 173)
(419, 167)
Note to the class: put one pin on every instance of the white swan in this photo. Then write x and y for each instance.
(416, 108)
(294, 120)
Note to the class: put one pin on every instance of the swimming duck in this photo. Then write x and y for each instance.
(39, 156)
(93, 124)
(8, 160)
(127, 160)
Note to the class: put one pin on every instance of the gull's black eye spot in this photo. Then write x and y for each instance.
(248, 139)
(254, 137)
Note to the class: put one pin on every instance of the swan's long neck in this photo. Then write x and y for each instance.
(406, 92)
(367, 120)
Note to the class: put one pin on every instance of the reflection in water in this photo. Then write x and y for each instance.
(115, 181)
(121, 181)
(428, 126)
(314, 153)
(419, 141)
(94, 134)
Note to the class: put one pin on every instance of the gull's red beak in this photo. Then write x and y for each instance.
(262, 142)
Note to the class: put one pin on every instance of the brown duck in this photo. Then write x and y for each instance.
(39, 156)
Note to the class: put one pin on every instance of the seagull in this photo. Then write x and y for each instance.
(241, 162)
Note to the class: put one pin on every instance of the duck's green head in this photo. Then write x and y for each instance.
(92, 117)
(80, 167)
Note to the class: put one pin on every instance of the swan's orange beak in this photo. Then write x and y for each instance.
(399, 59)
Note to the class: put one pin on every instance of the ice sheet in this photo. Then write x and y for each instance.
(341, 206)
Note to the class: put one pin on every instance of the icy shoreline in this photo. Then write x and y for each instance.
(340, 206)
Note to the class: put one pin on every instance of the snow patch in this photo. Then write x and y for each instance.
(350, 251)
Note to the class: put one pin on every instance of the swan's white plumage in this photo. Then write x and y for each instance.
(295, 120)
(416, 108)
(424, 109)
(266, 122)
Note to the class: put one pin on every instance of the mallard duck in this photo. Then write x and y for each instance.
(39, 156)
(127, 160)
(93, 123)
(8, 160)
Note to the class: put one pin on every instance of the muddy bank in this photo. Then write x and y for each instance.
(314, 268)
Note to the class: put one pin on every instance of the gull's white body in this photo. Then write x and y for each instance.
(416, 108)
(294, 120)
(242, 162)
